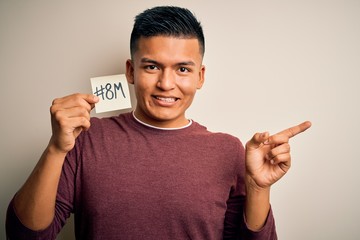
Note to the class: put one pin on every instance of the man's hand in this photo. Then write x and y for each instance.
(268, 157)
(70, 115)
(35, 201)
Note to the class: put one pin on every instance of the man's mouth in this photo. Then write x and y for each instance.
(166, 99)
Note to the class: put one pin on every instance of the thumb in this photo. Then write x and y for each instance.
(257, 140)
(91, 100)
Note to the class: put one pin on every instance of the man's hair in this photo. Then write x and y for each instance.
(166, 21)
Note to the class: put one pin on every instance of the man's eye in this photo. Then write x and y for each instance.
(183, 69)
(151, 67)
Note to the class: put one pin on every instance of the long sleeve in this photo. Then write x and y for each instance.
(16, 230)
(63, 208)
(235, 226)
(267, 232)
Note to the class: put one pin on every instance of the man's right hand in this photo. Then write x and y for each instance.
(35, 201)
(70, 115)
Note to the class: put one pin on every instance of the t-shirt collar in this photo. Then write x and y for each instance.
(160, 128)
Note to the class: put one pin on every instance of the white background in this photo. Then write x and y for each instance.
(270, 65)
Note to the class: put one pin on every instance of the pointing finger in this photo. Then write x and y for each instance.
(277, 139)
(293, 131)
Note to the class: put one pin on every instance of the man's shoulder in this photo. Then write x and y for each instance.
(218, 136)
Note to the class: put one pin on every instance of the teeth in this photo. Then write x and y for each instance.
(166, 99)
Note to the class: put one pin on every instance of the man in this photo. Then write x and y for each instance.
(152, 173)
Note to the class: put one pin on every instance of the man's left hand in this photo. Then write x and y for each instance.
(268, 157)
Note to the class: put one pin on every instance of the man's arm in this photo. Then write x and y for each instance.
(267, 160)
(35, 201)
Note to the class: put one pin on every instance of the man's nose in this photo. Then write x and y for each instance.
(166, 80)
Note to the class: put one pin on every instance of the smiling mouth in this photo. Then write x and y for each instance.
(166, 99)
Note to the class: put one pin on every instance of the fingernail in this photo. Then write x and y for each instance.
(267, 141)
(272, 161)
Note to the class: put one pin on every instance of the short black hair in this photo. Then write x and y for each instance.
(166, 21)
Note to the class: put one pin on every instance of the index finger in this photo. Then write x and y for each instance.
(75, 100)
(89, 98)
(293, 131)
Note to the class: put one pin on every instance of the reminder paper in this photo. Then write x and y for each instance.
(113, 92)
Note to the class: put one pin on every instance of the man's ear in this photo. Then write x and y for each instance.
(201, 77)
(130, 71)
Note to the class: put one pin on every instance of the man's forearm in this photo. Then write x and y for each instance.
(257, 206)
(35, 201)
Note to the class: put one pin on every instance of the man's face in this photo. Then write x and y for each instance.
(166, 72)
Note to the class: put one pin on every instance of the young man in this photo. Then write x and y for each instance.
(152, 173)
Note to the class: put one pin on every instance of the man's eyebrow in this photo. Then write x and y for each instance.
(186, 63)
(148, 60)
(191, 63)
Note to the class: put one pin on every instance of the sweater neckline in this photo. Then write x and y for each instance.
(144, 128)
(160, 128)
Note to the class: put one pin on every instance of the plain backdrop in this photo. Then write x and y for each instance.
(269, 65)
